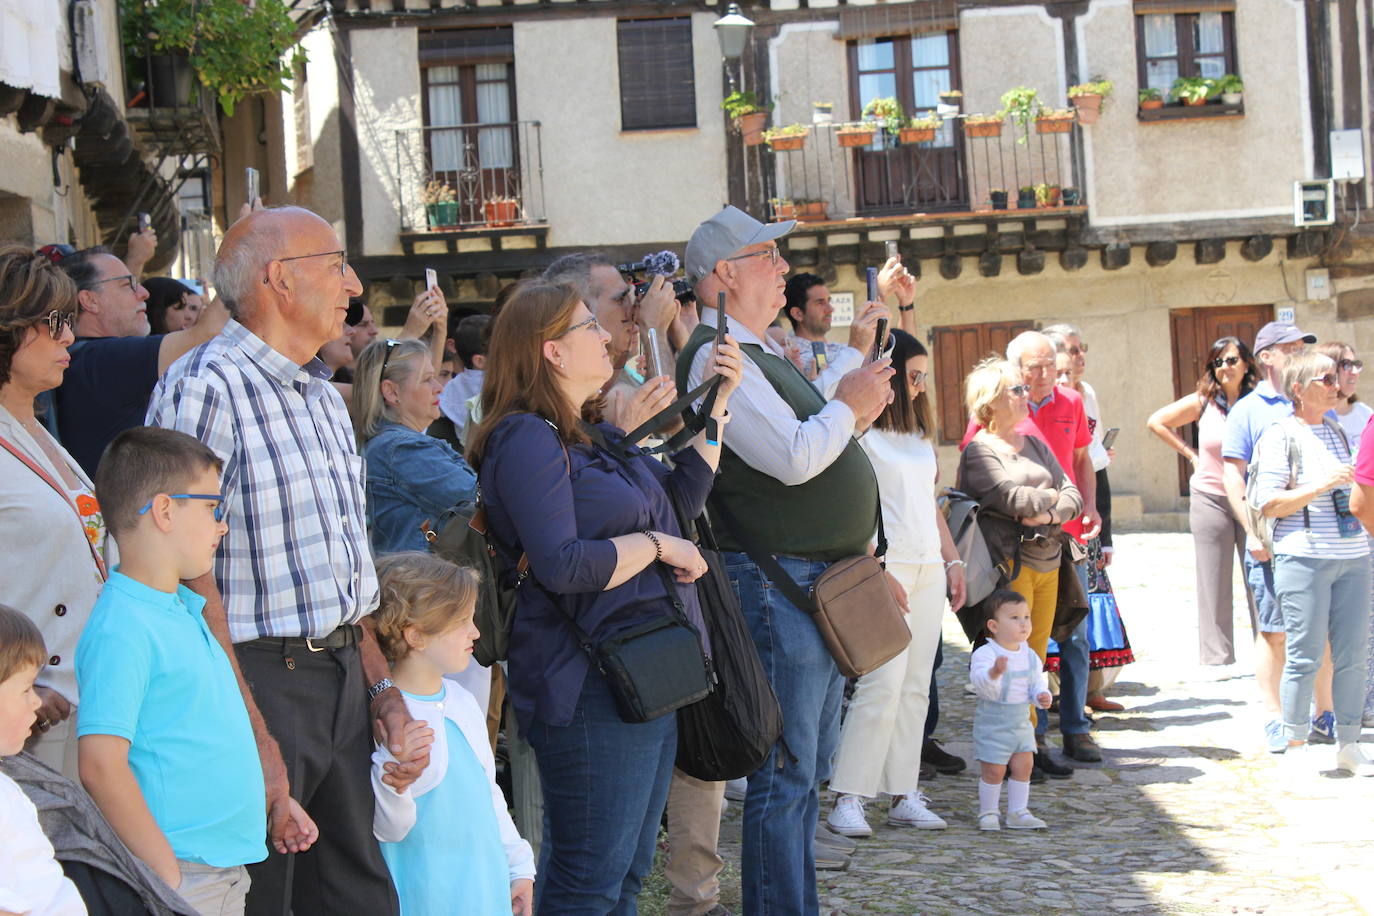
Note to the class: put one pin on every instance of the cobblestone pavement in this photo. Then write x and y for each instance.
(1187, 813)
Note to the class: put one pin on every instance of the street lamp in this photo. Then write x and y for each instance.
(732, 31)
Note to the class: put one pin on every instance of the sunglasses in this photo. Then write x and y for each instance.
(58, 321)
(391, 344)
(1329, 380)
(1225, 361)
(220, 510)
(1019, 391)
(1351, 365)
(917, 377)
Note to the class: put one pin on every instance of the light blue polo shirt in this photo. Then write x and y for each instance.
(1252, 415)
(150, 671)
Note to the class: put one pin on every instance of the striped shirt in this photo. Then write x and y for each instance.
(295, 561)
(1321, 449)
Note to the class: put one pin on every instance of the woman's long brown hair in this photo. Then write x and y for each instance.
(518, 378)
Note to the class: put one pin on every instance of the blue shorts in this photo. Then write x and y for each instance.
(1260, 578)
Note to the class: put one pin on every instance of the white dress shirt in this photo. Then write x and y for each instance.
(764, 431)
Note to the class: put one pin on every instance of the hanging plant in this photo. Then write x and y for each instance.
(886, 111)
(235, 48)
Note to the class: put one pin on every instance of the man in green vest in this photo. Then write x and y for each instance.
(796, 485)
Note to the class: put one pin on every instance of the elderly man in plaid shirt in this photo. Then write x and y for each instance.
(294, 575)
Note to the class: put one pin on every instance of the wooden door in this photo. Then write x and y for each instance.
(1192, 332)
(956, 349)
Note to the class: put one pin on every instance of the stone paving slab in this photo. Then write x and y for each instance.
(1187, 813)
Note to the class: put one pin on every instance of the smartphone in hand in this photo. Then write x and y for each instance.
(1109, 437)
(431, 278)
(872, 284)
(144, 221)
(250, 176)
(892, 251)
(879, 341)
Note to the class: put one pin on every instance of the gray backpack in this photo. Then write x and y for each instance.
(980, 572)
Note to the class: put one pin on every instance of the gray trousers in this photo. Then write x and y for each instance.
(1217, 536)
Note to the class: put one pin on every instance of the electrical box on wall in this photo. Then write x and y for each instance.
(1347, 155)
(1314, 202)
(1318, 285)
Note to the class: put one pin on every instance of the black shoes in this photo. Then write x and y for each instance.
(1050, 767)
(941, 759)
(1082, 748)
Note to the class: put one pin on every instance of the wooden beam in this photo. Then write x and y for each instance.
(1030, 261)
(1157, 254)
(990, 263)
(951, 265)
(1210, 251)
(1116, 256)
(1073, 258)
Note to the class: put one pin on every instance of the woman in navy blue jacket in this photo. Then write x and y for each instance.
(593, 528)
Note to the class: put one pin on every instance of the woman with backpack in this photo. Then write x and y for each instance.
(1303, 477)
(884, 730)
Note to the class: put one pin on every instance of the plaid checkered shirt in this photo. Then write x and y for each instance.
(295, 560)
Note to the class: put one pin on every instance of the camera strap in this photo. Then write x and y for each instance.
(693, 422)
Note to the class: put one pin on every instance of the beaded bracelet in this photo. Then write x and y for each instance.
(658, 548)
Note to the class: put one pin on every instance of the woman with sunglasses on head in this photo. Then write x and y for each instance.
(1022, 492)
(1304, 471)
(1353, 415)
(1230, 373)
(883, 734)
(604, 549)
(53, 564)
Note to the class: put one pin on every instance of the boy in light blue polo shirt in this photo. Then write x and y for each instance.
(164, 742)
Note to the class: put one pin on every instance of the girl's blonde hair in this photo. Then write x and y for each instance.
(423, 591)
(985, 385)
(370, 408)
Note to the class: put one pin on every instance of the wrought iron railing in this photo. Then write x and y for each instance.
(839, 173)
(467, 176)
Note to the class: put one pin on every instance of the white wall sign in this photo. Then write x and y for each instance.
(1285, 314)
(843, 305)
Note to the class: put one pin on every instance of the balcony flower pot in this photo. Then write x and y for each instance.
(810, 211)
(983, 126)
(751, 127)
(171, 80)
(1232, 98)
(998, 196)
(501, 211)
(1025, 199)
(1071, 197)
(916, 134)
(855, 136)
(1047, 195)
(952, 97)
(1089, 105)
(783, 139)
(1194, 102)
(1151, 104)
(442, 215)
(783, 210)
(1054, 122)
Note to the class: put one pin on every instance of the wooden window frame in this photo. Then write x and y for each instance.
(951, 363)
(1187, 54)
(632, 118)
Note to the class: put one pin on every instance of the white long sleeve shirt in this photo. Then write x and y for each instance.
(764, 431)
(1021, 689)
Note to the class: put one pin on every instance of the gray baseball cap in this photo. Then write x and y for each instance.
(725, 234)
(1280, 332)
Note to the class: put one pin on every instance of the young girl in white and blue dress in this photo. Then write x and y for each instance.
(448, 838)
(1006, 675)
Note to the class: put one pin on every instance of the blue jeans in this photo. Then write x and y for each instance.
(1260, 578)
(1073, 676)
(781, 808)
(605, 786)
(1323, 600)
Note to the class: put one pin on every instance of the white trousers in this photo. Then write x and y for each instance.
(880, 742)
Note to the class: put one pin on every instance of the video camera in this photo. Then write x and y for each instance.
(659, 264)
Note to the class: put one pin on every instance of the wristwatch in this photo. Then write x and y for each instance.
(379, 688)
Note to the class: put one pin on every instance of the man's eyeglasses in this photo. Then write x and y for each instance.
(341, 255)
(916, 377)
(1351, 365)
(1329, 380)
(589, 323)
(772, 253)
(58, 321)
(220, 510)
(1019, 391)
(1225, 361)
(127, 278)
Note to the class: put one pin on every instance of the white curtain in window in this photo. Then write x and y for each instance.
(875, 54)
(494, 145)
(445, 108)
(1161, 41)
(1208, 35)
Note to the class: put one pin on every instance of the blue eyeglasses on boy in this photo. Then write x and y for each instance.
(220, 510)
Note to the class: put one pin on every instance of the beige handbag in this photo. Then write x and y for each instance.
(851, 604)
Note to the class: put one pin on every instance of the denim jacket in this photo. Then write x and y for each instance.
(411, 477)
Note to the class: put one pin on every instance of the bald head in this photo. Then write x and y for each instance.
(1033, 354)
(257, 239)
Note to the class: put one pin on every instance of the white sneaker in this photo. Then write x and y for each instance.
(911, 811)
(1367, 721)
(1351, 759)
(847, 817)
(1024, 820)
(736, 789)
(989, 821)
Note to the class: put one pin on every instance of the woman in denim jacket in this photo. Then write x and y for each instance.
(411, 477)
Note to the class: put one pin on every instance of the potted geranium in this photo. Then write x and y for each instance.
(983, 125)
(501, 211)
(1021, 104)
(782, 139)
(1047, 195)
(235, 48)
(1087, 98)
(1054, 120)
(783, 208)
(1192, 90)
(1230, 88)
(886, 111)
(920, 129)
(748, 113)
(441, 204)
(811, 210)
(1150, 99)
